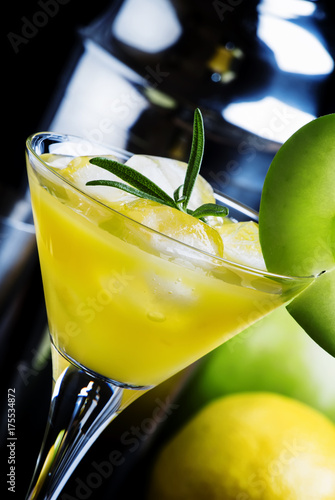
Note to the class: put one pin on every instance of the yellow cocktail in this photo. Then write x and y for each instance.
(128, 305)
(127, 311)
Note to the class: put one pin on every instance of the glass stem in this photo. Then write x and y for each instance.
(81, 407)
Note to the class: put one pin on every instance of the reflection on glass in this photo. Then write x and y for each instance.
(146, 25)
(269, 118)
(296, 50)
(288, 9)
(145, 66)
(101, 102)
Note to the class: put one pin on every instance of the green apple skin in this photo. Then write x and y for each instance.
(297, 209)
(297, 223)
(274, 355)
(320, 297)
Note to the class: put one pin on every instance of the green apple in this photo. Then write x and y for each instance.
(297, 223)
(272, 355)
(314, 310)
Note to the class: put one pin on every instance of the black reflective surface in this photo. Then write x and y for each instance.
(258, 71)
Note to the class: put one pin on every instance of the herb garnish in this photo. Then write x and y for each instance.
(139, 185)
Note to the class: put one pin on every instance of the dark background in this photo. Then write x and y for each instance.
(33, 72)
(37, 67)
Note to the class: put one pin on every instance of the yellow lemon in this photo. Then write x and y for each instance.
(241, 243)
(174, 223)
(249, 446)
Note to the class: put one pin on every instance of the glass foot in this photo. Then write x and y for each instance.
(82, 406)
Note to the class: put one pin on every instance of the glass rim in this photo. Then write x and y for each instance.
(126, 154)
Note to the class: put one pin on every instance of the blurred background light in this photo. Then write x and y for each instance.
(149, 26)
(295, 49)
(269, 118)
(288, 9)
(101, 102)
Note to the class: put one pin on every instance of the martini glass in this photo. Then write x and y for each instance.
(127, 306)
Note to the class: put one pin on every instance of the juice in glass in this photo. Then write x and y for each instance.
(131, 304)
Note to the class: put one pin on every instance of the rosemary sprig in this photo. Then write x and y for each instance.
(196, 155)
(139, 185)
